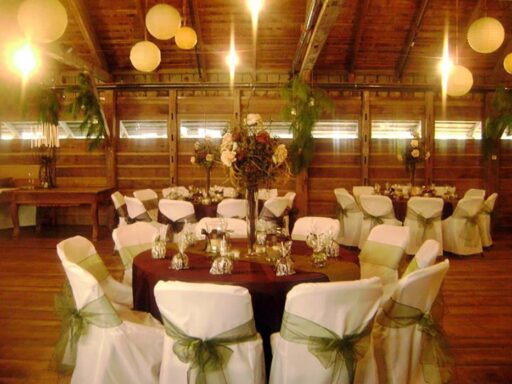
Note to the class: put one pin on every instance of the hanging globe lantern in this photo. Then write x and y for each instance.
(42, 21)
(507, 63)
(486, 35)
(162, 21)
(186, 38)
(460, 81)
(145, 56)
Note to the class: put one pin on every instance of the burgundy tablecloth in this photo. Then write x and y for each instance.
(400, 207)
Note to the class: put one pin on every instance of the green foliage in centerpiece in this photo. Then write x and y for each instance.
(499, 121)
(303, 109)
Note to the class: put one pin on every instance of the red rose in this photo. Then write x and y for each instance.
(263, 137)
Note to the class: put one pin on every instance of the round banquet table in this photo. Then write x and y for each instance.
(400, 208)
(268, 291)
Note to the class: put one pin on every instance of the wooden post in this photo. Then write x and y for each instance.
(109, 109)
(172, 134)
(428, 134)
(365, 136)
(491, 167)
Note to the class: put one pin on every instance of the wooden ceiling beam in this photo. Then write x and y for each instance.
(462, 43)
(324, 23)
(68, 57)
(193, 10)
(81, 16)
(141, 16)
(357, 33)
(411, 37)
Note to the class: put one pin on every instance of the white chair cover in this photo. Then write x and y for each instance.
(376, 210)
(232, 208)
(80, 251)
(474, 192)
(120, 206)
(344, 308)
(425, 257)
(291, 198)
(350, 217)
(131, 240)
(484, 220)
(359, 190)
(125, 353)
(461, 235)
(177, 213)
(312, 224)
(398, 351)
(136, 209)
(382, 253)
(424, 221)
(149, 199)
(265, 194)
(237, 227)
(204, 311)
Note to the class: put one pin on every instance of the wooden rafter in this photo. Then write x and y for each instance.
(411, 37)
(193, 10)
(325, 21)
(357, 33)
(141, 18)
(68, 57)
(81, 16)
(462, 42)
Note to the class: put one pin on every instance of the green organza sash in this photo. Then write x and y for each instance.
(469, 233)
(129, 253)
(435, 359)
(426, 223)
(208, 357)
(95, 266)
(75, 324)
(340, 354)
(385, 255)
(413, 266)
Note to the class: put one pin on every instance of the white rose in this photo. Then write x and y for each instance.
(196, 145)
(235, 146)
(227, 139)
(209, 157)
(415, 143)
(253, 118)
(228, 157)
(193, 159)
(280, 154)
(415, 153)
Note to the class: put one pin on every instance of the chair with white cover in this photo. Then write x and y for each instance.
(350, 218)
(276, 210)
(149, 198)
(291, 198)
(318, 319)
(408, 343)
(475, 192)
(237, 228)
(313, 224)
(120, 206)
(136, 210)
(376, 210)
(484, 220)
(130, 241)
(96, 344)
(382, 253)
(461, 235)
(80, 251)
(265, 194)
(425, 257)
(236, 208)
(359, 190)
(215, 320)
(424, 221)
(175, 213)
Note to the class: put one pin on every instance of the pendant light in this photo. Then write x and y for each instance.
(186, 37)
(42, 21)
(163, 21)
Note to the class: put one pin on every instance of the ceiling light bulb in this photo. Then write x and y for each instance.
(25, 59)
(255, 5)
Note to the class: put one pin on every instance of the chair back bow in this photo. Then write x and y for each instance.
(469, 233)
(95, 266)
(426, 223)
(340, 354)
(176, 226)
(129, 253)
(208, 358)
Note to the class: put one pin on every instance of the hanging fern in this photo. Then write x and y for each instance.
(303, 109)
(87, 105)
(499, 121)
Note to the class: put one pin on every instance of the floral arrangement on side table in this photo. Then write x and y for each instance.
(206, 154)
(253, 158)
(414, 153)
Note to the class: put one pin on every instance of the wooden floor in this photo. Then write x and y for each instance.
(477, 294)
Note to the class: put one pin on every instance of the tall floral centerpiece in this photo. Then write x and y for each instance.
(414, 153)
(253, 158)
(206, 154)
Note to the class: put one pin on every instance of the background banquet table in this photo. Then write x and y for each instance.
(400, 208)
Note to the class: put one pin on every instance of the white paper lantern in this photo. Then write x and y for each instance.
(486, 35)
(42, 21)
(145, 56)
(162, 21)
(460, 81)
(186, 38)
(507, 63)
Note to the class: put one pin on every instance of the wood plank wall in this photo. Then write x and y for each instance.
(338, 163)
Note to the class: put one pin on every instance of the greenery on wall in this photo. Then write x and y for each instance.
(303, 109)
(499, 121)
